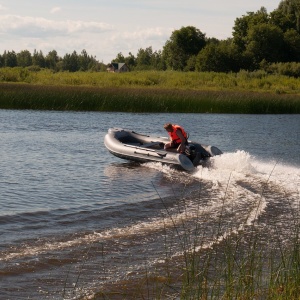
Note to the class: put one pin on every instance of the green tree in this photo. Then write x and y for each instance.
(242, 26)
(24, 58)
(93, 63)
(70, 62)
(219, 57)
(270, 37)
(10, 59)
(130, 60)
(265, 41)
(291, 8)
(157, 61)
(38, 59)
(143, 58)
(191, 63)
(119, 59)
(51, 60)
(183, 43)
(284, 21)
(292, 45)
(86, 62)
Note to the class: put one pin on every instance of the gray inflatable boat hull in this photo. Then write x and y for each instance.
(142, 148)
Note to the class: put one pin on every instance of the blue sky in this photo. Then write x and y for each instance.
(106, 27)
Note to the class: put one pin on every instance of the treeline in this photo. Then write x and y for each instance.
(261, 41)
(70, 62)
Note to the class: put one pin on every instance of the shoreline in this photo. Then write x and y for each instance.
(144, 99)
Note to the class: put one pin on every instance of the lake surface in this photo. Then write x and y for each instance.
(75, 219)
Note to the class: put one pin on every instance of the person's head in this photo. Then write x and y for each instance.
(168, 127)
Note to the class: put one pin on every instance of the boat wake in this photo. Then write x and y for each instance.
(234, 192)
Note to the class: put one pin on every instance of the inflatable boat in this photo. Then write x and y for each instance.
(134, 146)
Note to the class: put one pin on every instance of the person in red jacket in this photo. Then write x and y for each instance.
(178, 137)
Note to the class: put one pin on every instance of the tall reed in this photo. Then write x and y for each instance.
(83, 98)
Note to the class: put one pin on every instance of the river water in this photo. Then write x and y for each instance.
(75, 219)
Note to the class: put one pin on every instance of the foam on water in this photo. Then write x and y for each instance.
(230, 173)
(241, 165)
(237, 181)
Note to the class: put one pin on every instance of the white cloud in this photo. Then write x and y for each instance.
(2, 8)
(149, 33)
(100, 39)
(37, 27)
(126, 25)
(55, 10)
(132, 41)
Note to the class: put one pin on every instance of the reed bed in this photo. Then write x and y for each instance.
(149, 91)
(137, 99)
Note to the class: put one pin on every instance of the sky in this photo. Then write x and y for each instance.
(105, 28)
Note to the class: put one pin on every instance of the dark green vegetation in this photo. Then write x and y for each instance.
(260, 41)
(24, 96)
(152, 91)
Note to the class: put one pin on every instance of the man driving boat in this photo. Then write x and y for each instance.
(178, 137)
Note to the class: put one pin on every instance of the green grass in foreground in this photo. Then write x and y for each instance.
(124, 99)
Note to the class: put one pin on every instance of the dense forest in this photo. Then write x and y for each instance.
(260, 41)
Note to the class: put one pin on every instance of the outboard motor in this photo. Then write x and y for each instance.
(192, 153)
(196, 153)
(190, 150)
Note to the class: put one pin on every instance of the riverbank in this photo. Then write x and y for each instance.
(149, 91)
(124, 99)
